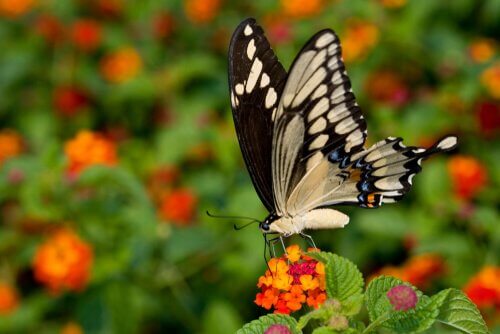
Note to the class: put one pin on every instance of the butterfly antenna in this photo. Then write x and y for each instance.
(237, 228)
(230, 217)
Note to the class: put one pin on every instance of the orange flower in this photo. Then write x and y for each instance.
(88, 149)
(69, 100)
(121, 66)
(490, 78)
(178, 206)
(293, 253)
(9, 300)
(201, 11)
(63, 261)
(11, 145)
(358, 40)
(72, 328)
(301, 9)
(292, 284)
(468, 176)
(86, 34)
(481, 50)
(295, 298)
(484, 288)
(316, 298)
(393, 3)
(387, 87)
(15, 8)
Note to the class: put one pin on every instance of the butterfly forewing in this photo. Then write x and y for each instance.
(256, 81)
(317, 95)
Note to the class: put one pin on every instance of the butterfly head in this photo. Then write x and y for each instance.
(265, 226)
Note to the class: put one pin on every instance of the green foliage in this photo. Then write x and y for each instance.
(260, 325)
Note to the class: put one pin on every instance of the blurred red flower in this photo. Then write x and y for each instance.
(161, 181)
(69, 100)
(278, 29)
(63, 261)
(15, 8)
(358, 39)
(72, 328)
(418, 270)
(9, 299)
(488, 118)
(109, 8)
(179, 206)
(121, 65)
(201, 11)
(292, 281)
(387, 87)
(393, 3)
(163, 25)
(11, 145)
(301, 9)
(50, 28)
(468, 176)
(482, 49)
(88, 149)
(86, 34)
(490, 78)
(484, 288)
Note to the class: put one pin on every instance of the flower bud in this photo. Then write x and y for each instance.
(338, 322)
(278, 329)
(402, 297)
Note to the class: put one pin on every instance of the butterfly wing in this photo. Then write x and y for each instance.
(317, 118)
(256, 80)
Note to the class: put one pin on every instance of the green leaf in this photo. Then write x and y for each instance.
(343, 279)
(322, 313)
(324, 330)
(382, 313)
(260, 325)
(459, 312)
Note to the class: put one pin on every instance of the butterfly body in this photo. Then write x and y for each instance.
(302, 135)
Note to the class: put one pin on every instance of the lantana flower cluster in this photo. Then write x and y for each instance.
(291, 281)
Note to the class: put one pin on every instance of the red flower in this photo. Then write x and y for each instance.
(163, 25)
(179, 206)
(69, 100)
(9, 299)
(488, 118)
(468, 176)
(387, 87)
(50, 28)
(86, 34)
(484, 288)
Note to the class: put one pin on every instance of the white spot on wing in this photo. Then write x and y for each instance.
(271, 97)
(447, 143)
(318, 142)
(345, 126)
(310, 85)
(264, 80)
(318, 125)
(388, 183)
(251, 49)
(320, 91)
(239, 88)
(254, 75)
(248, 30)
(319, 108)
(324, 40)
(354, 139)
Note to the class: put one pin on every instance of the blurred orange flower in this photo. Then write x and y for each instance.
(163, 25)
(63, 261)
(358, 39)
(468, 176)
(68, 100)
(484, 288)
(50, 28)
(9, 300)
(490, 78)
(201, 11)
(109, 8)
(481, 50)
(419, 270)
(86, 34)
(72, 328)
(179, 206)
(301, 9)
(11, 145)
(122, 65)
(287, 286)
(393, 3)
(15, 8)
(88, 149)
(387, 87)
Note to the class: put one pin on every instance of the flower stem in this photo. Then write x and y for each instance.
(380, 320)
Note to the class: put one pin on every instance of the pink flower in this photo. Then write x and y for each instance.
(402, 297)
(277, 329)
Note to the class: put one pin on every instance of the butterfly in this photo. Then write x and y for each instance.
(302, 135)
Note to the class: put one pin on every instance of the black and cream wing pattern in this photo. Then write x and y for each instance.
(302, 135)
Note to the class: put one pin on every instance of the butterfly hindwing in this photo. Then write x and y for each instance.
(256, 81)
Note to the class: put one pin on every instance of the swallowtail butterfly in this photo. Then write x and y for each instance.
(302, 135)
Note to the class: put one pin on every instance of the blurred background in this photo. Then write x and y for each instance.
(116, 136)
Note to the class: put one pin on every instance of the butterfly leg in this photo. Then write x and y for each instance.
(309, 239)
